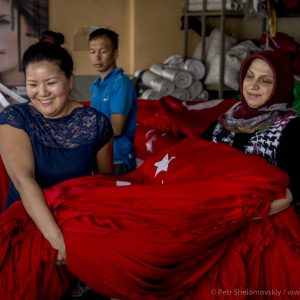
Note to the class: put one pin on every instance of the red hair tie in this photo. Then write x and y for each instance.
(48, 41)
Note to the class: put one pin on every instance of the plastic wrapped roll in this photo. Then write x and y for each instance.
(196, 5)
(158, 83)
(139, 73)
(181, 94)
(3, 101)
(181, 78)
(195, 66)
(195, 89)
(174, 60)
(157, 69)
(204, 95)
(12, 94)
(151, 94)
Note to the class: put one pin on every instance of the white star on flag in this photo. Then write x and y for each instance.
(163, 164)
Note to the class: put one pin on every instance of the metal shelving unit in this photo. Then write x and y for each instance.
(204, 14)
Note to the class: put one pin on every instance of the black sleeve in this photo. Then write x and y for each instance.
(207, 134)
(288, 156)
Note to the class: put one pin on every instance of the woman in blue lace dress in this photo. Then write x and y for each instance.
(51, 138)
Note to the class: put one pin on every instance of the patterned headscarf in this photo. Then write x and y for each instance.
(243, 118)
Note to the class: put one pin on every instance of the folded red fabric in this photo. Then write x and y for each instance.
(4, 184)
(178, 227)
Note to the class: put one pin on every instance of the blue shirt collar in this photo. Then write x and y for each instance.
(111, 74)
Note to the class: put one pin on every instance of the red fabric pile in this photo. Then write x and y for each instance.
(4, 184)
(162, 123)
(178, 227)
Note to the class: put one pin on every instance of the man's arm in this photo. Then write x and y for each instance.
(118, 122)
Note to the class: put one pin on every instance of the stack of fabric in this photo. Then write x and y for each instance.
(235, 52)
(175, 77)
(198, 5)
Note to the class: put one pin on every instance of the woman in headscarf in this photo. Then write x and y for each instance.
(263, 122)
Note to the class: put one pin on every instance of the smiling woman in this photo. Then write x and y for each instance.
(52, 138)
(20, 22)
(263, 123)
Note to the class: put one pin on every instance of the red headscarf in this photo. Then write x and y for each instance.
(283, 82)
(243, 118)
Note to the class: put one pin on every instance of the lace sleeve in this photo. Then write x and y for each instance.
(105, 131)
(13, 116)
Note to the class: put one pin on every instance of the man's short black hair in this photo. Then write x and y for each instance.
(107, 33)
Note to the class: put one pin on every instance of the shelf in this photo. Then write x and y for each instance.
(213, 13)
(204, 14)
(217, 87)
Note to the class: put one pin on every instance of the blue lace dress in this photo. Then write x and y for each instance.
(63, 148)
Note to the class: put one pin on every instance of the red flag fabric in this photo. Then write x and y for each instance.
(4, 184)
(150, 141)
(179, 227)
(172, 116)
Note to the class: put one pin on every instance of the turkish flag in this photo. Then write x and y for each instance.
(178, 227)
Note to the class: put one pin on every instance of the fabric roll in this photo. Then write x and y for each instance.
(157, 69)
(3, 101)
(237, 5)
(194, 66)
(12, 94)
(181, 78)
(139, 73)
(174, 60)
(195, 89)
(204, 95)
(195, 5)
(158, 83)
(151, 94)
(233, 58)
(201, 1)
(181, 94)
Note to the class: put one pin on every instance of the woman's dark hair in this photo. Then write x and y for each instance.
(49, 49)
(107, 33)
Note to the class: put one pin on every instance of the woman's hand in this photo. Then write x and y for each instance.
(279, 205)
(57, 242)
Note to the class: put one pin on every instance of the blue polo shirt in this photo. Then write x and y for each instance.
(116, 95)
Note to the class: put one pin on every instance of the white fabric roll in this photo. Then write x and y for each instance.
(157, 69)
(194, 66)
(181, 94)
(151, 94)
(195, 89)
(181, 78)
(158, 83)
(3, 101)
(204, 95)
(215, 45)
(139, 73)
(12, 94)
(233, 58)
(201, 1)
(174, 60)
(196, 5)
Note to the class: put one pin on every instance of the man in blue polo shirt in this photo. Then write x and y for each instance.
(113, 94)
